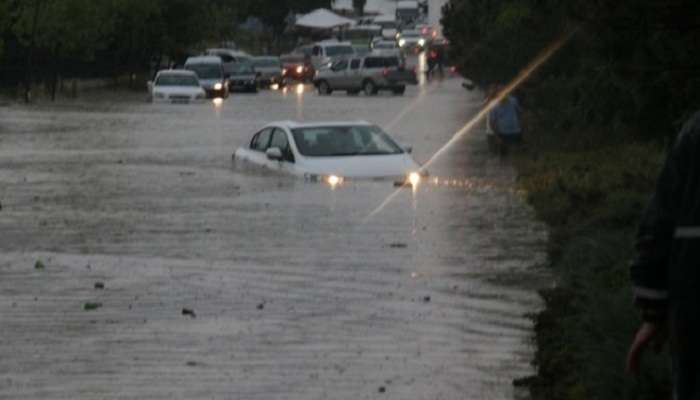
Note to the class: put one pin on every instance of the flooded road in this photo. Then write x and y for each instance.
(223, 282)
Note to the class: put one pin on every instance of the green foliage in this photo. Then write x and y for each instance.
(631, 65)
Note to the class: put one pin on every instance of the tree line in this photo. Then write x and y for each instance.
(631, 66)
(45, 39)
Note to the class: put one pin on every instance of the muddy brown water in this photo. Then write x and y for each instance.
(295, 293)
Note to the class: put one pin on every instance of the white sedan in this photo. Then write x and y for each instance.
(330, 151)
(176, 86)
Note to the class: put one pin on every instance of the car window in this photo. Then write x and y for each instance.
(373, 62)
(316, 51)
(176, 80)
(355, 64)
(340, 65)
(226, 58)
(206, 71)
(261, 139)
(279, 140)
(339, 141)
(334, 51)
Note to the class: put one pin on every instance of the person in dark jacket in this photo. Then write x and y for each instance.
(666, 272)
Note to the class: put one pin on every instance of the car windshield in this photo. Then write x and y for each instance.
(242, 68)
(293, 59)
(266, 62)
(176, 80)
(385, 45)
(339, 141)
(205, 71)
(410, 34)
(332, 51)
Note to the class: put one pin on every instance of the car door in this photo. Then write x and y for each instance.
(258, 146)
(339, 72)
(354, 74)
(281, 141)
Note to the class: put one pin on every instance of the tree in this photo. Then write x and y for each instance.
(359, 6)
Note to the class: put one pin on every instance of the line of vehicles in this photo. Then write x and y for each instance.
(370, 60)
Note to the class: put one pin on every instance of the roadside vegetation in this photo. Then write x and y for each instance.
(43, 42)
(598, 116)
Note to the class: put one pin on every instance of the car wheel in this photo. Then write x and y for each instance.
(324, 88)
(399, 91)
(369, 88)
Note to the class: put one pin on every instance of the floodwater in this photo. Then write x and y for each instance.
(288, 290)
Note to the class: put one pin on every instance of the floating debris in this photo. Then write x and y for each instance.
(90, 306)
(190, 312)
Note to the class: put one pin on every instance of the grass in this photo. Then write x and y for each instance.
(591, 194)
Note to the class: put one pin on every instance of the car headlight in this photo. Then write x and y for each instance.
(421, 42)
(218, 86)
(300, 69)
(159, 95)
(413, 178)
(402, 42)
(334, 180)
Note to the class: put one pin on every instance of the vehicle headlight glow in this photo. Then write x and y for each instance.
(218, 101)
(300, 69)
(218, 86)
(421, 42)
(334, 180)
(414, 178)
(402, 42)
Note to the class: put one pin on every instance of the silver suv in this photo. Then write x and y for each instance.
(370, 74)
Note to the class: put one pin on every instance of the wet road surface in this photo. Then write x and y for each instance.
(295, 294)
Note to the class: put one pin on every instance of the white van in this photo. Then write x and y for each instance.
(325, 52)
(210, 71)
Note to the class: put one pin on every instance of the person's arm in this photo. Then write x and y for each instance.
(648, 271)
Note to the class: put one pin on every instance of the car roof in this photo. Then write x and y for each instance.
(333, 43)
(296, 124)
(203, 60)
(266, 58)
(176, 72)
(229, 51)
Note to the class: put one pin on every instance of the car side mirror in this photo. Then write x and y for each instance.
(407, 148)
(274, 153)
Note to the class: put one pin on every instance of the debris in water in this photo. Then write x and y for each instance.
(188, 311)
(398, 245)
(426, 299)
(39, 265)
(382, 389)
(261, 306)
(99, 285)
(89, 306)
(191, 363)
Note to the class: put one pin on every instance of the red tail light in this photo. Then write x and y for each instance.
(385, 72)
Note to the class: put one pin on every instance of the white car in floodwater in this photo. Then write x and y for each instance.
(330, 151)
(176, 86)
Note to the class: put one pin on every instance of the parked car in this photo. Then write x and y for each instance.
(388, 46)
(330, 151)
(229, 58)
(268, 70)
(176, 86)
(369, 74)
(210, 72)
(243, 78)
(296, 68)
(324, 53)
(411, 39)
